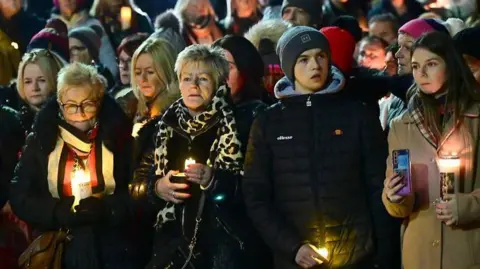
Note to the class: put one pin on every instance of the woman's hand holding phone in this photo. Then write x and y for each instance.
(392, 186)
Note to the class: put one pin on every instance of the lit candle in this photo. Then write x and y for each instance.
(81, 186)
(126, 17)
(323, 252)
(449, 168)
(188, 162)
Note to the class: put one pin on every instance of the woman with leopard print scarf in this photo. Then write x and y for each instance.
(199, 224)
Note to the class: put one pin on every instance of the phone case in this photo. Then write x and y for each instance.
(402, 166)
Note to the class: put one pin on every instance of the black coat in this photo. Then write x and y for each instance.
(9, 97)
(32, 201)
(414, 9)
(22, 27)
(315, 174)
(11, 141)
(226, 227)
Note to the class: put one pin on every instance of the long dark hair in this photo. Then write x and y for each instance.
(460, 84)
(249, 64)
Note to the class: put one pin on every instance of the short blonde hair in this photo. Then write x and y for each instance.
(78, 74)
(212, 57)
(163, 55)
(47, 62)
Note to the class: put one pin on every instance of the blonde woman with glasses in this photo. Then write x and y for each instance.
(74, 170)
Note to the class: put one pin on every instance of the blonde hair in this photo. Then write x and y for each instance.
(163, 55)
(212, 57)
(78, 74)
(48, 62)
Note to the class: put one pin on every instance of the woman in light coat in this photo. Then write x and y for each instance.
(443, 118)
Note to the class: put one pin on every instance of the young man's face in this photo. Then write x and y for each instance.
(296, 16)
(474, 65)
(311, 71)
(384, 30)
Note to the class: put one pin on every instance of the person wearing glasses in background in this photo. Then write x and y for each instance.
(82, 131)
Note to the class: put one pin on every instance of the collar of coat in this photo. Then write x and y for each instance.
(472, 112)
(115, 128)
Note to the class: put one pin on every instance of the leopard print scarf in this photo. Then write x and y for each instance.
(225, 149)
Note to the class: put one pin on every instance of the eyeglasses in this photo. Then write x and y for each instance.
(124, 62)
(85, 107)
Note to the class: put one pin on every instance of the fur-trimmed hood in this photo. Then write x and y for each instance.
(115, 128)
(266, 29)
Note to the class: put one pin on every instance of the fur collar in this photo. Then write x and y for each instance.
(115, 127)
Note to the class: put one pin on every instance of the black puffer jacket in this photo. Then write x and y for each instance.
(11, 141)
(314, 173)
(9, 97)
(32, 201)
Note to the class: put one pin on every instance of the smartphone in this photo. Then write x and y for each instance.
(402, 166)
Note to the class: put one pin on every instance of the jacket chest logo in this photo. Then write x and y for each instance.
(338, 132)
(281, 138)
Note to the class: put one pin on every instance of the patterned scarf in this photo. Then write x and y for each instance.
(415, 108)
(225, 153)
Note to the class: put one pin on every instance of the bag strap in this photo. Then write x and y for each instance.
(198, 219)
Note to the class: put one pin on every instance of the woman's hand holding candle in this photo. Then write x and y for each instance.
(167, 190)
(199, 173)
(445, 211)
(308, 256)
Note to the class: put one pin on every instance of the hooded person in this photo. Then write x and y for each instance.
(298, 202)
(85, 43)
(467, 43)
(302, 12)
(264, 36)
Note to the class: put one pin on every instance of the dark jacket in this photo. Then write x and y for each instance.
(414, 9)
(11, 141)
(227, 232)
(9, 97)
(239, 26)
(22, 27)
(330, 12)
(314, 173)
(32, 201)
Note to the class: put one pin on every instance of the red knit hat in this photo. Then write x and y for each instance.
(342, 46)
(49, 39)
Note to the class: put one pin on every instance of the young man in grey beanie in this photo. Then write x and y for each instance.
(315, 165)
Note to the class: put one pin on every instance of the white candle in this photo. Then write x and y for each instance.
(126, 17)
(81, 186)
(449, 168)
(323, 252)
(188, 162)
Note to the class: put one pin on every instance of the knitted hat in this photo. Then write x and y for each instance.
(49, 39)
(59, 26)
(312, 7)
(467, 42)
(90, 37)
(349, 24)
(294, 42)
(454, 25)
(342, 47)
(418, 27)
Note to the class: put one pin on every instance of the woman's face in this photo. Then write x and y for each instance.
(124, 62)
(35, 85)
(196, 86)
(146, 78)
(235, 80)
(67, 7)
(78, 52)
(429, 71)
(79, 107)
(474, 65)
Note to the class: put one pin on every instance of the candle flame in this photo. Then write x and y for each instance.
(188, 162)
(126, 17)
(323, 252)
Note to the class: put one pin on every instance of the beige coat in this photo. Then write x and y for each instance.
(426, 242)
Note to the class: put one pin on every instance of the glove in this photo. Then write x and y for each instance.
(91, 210)
(63, 212)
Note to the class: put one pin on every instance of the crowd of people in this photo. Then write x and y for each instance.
(239, 134)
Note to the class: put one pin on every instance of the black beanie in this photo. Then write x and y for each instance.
(467, 42)
(312, 7)
(294, 42)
